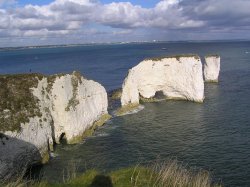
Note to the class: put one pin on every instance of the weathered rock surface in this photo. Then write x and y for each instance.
(74, 104)
(178, 77)
(37, 110)
(212, 68)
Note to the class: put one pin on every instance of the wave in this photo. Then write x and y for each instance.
(133, 111)
(103, 134)
(53, 155)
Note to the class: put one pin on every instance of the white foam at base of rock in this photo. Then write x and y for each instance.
(212, 68)
(134, 110)
(177, 78)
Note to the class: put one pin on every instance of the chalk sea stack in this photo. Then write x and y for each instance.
(177, 77)
(212, 68)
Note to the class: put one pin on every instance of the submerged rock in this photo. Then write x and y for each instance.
(116, 94)
(212, 68)
(177, 77)
(37, 110)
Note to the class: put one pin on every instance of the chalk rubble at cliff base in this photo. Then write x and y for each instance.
(35, 115)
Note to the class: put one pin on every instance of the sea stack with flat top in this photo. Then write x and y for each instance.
(177, 77)
(212, 68)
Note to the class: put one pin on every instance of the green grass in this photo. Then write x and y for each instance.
(51, 80)
(168, 174)
(212, 55)
(212, 81)
(17, 103)
(174, 56)
(116, 94)
(150, 100)
(73, 102)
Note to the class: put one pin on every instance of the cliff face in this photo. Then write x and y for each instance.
(178, 77)
(73, 102)
(37, 110)
(212, 68)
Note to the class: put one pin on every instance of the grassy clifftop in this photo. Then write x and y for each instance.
(169, 174)
(17, 103)
(174, 56)
(212, 55)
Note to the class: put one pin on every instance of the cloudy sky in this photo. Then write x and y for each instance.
(40, 22)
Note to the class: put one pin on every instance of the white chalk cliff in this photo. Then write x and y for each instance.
(68, 105)
(178, 77)
(74, 103)
(212, 68)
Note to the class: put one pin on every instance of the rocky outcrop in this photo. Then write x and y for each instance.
(177, 77)
(74, 104)
(37, 110)
(21, 150)
(212, 68)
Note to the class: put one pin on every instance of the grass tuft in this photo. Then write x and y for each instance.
(212, 55)
(174, 56)
(17, 103)
(168, 174)
(73, 102)
(116, 94)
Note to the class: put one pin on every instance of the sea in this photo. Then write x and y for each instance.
(213, 136)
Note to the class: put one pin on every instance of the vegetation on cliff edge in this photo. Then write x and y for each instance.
(169, 174)
(174, 56)
(17, 103)
(212, 55)
(75, 80)
(116, 94)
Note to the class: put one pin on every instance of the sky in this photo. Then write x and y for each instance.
(49, 22)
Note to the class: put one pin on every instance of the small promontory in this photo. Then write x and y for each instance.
(177, 77)
(37, 111)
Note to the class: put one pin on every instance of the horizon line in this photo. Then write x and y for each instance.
(119, 42)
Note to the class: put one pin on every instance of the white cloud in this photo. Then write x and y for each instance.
(166, 4)
(74, 14)
(68, 17)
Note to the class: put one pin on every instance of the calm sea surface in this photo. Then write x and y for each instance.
(214, 135)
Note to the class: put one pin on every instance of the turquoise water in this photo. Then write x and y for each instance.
(214, 135)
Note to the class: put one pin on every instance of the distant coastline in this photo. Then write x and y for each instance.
(116, 43)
